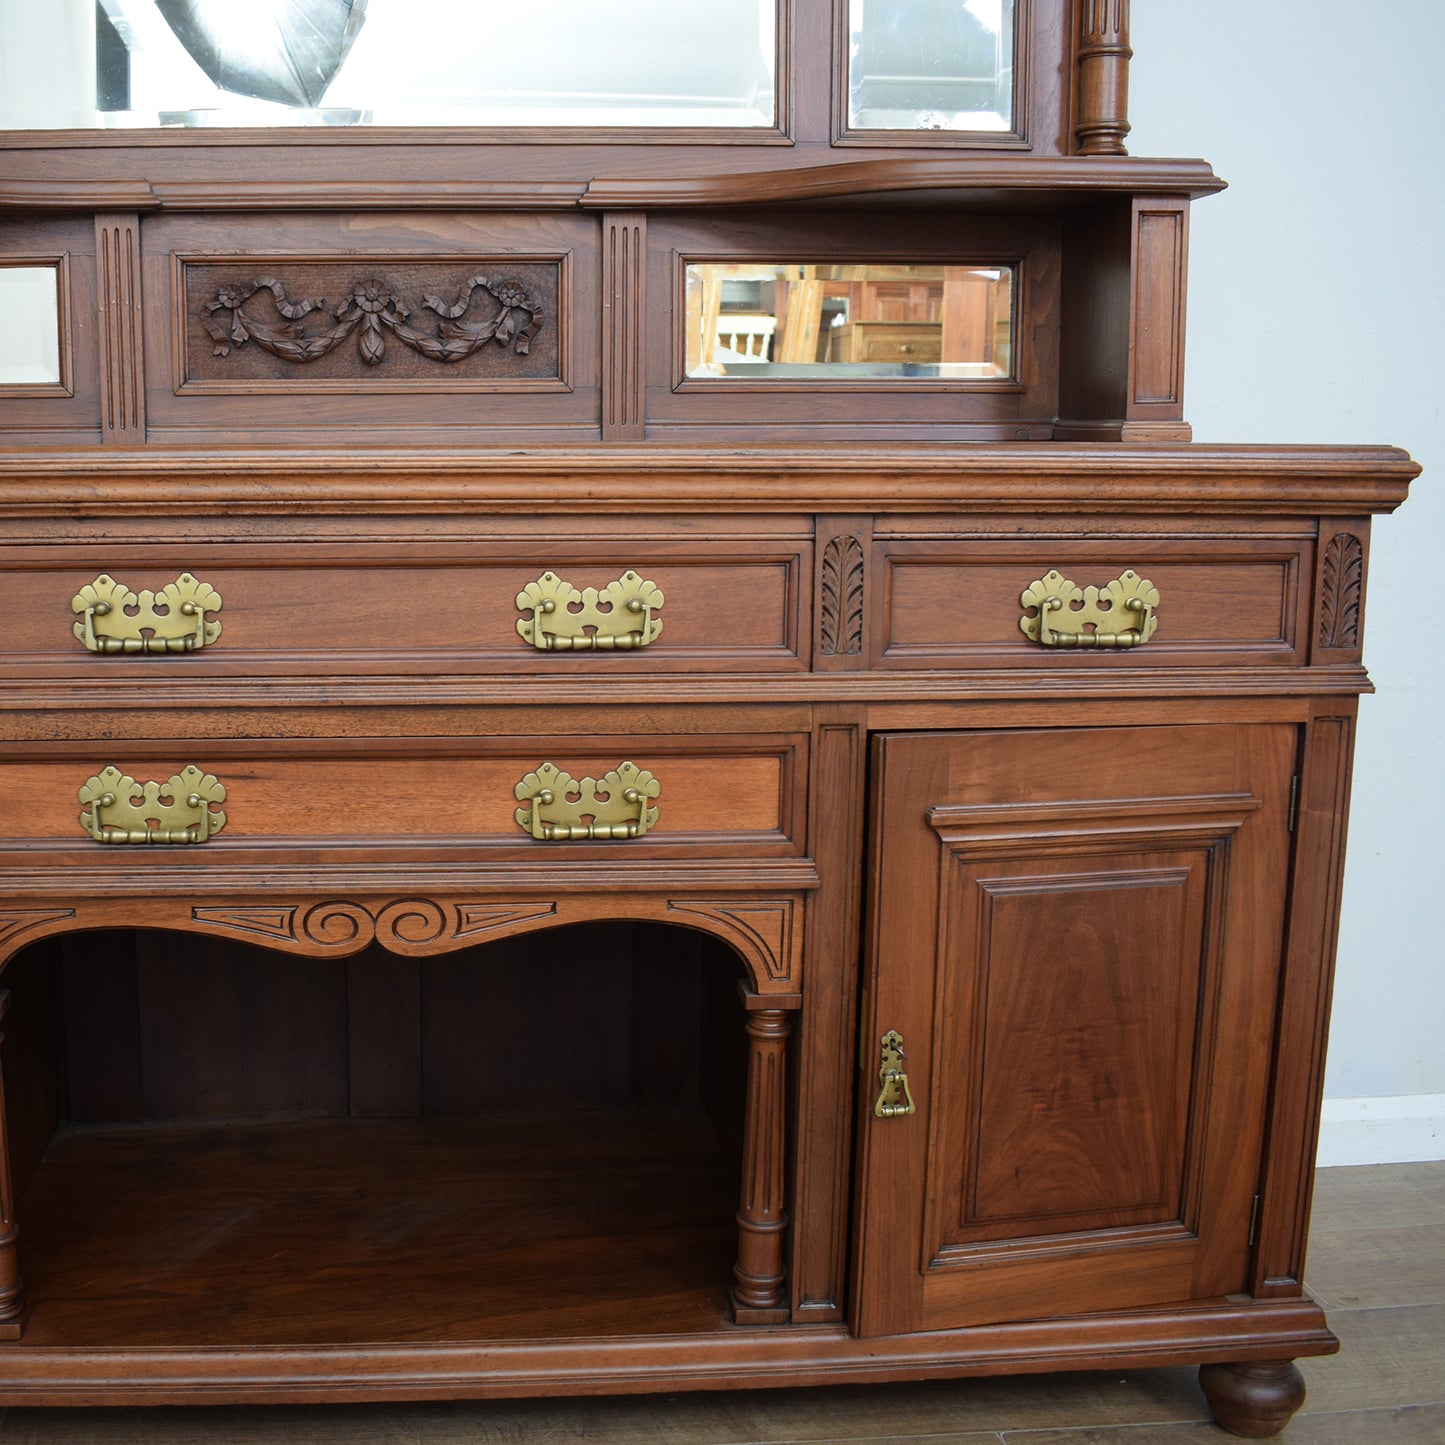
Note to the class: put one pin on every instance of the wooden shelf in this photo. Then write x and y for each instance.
(350, 1231)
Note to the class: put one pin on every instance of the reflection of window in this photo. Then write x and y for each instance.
(29, 325)
(390, 62)
(931, 65)
(843, 322)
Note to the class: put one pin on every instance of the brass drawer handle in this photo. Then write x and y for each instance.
(566, 620)
(180, 625)
(1059, 623)
(122, 810)
(613, 806)
(894, 1098)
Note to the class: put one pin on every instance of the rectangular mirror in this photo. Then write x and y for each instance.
(123, 63)
(931, 65)
(30, 331)
(754, 320)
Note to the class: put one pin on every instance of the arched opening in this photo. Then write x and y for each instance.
(213, 1143)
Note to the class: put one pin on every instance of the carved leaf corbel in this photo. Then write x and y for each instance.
(1342, 591)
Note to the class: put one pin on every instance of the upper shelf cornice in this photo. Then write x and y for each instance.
(883, 182)
(943, 177)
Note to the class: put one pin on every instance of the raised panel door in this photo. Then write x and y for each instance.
(1077, 935)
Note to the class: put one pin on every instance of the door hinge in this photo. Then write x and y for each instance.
(1253, 1220)
(1293, 801)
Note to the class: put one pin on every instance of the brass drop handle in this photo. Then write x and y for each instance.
(617, 805)
(171, 620)
(121, 810)
(1066, 615)
(894, 1097)
(619, 618)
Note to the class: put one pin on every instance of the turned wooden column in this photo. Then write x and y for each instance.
(1101, 111)
(758, 1293)
(1255, 1398)
(12, 1291)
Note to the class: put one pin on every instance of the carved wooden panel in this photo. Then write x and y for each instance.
(1071, 1022)
(624, 256)
(20, 925)
(416, 926)
(762, 930)
(1342, 588)
(840, 621)
(118, 329)
(476, 323)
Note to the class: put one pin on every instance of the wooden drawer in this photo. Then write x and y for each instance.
(920, 341)
(336, 799)
(427, 609)
(958, 603)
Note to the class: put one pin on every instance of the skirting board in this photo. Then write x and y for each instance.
(1399, 1129)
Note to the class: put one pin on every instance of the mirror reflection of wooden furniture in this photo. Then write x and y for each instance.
(548, 845)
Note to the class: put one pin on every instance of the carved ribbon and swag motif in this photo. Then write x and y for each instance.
(373, 310)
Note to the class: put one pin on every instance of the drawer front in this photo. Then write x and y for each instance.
(706, 797)
(731, 604)
(959, 604)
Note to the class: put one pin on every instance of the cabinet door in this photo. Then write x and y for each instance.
(1077, 934)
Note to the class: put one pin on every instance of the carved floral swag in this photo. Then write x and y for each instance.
(375, 310)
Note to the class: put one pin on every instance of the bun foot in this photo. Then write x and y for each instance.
(1255, 1398)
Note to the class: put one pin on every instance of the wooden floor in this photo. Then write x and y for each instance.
(1377, 1260)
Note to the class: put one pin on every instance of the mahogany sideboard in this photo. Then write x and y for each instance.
(538, 859)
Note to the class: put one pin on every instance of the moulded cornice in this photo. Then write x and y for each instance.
(1038, 477)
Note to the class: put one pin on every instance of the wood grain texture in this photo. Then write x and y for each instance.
(1159, 255)
(998, 1237)
(730, 604)
(375, 1096)
(289, 1232)
(624, 253)
(118, 329)
(1101, 96)
(758, 1296)
(1167, 481)
(486, 323)
(1288, 1173)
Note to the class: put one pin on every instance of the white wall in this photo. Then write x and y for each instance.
(1317, 314)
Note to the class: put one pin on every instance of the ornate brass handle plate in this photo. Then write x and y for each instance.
(559, 808)
(894, 1099)
(121, 810)
(1119, 614)
(171, 620)
(621, 617)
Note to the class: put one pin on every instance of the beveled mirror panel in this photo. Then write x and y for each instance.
(30, 323)
(933, 65)
(653, 63)
(756, 320)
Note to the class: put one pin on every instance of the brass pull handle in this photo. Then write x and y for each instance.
(617, 805)
(619, 618)
(894, 1098)
(1060, 621)
(179, 626)
(179, 810)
